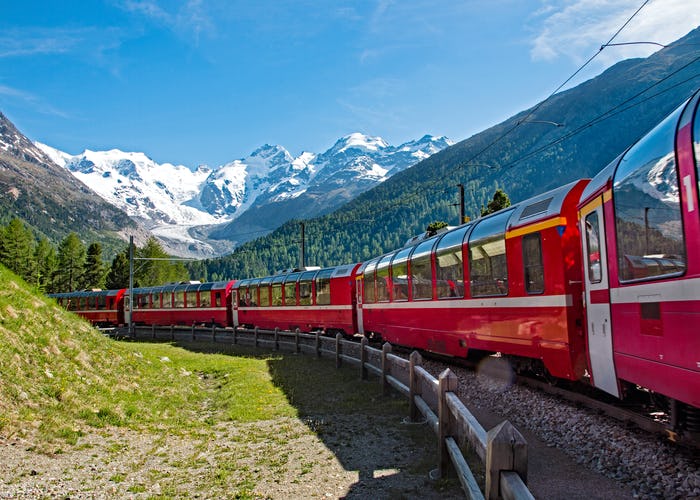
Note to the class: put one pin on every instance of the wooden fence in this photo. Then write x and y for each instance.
(502, 450)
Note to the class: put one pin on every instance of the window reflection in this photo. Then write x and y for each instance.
(648, 219)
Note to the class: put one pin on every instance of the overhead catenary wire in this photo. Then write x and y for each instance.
(565, 82)
(616, 110)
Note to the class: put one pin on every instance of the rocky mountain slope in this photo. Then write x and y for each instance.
(51, 200)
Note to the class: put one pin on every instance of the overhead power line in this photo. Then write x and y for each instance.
(541, 103)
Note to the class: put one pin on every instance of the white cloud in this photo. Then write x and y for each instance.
(191, 19)
(576, 29)
(28, 42)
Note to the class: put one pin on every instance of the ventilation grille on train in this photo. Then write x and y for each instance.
(536, 208)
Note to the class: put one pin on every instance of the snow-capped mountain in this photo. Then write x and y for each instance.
(151, 192)
(174, 201)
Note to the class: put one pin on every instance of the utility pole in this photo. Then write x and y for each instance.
(461, 204)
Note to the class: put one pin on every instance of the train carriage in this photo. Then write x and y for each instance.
(504, 283)
(182, 304)
(641, 225)
(311, 300)
(100, 307)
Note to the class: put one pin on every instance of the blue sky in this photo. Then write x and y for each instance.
(206, 82)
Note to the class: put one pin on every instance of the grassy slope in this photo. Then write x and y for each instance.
(58, 376)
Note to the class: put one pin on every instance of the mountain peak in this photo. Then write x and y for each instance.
(359, 141)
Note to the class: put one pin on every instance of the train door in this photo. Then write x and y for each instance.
(234, 307)
(597, 298)
(358, 303)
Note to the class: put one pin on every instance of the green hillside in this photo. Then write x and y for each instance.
(60, 378)
(525, 155)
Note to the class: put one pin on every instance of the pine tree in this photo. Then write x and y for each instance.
(500, 200)
(71, 263)
(94, 272)
(118, 275)
(45, 258)
(17, 249)
(156, 269)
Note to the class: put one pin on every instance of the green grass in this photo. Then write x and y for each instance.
(60, 376)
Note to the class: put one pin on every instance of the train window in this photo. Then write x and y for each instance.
(290, 290)
(305, 288)
(179, 299)
(593, 245)
(449, 268)
(383, 280)
(155, 300)
(533, 269)
(243, 296)
(102, 302)
(399, 275)
(205, 298)
(323, 287)
(421, 270)
(253, 293)
(648, 218)
(264, 292)
(142, 301)
(488, 267)
(368, 285)
(276, 292)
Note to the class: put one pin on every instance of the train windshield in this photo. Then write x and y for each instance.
(648, 219)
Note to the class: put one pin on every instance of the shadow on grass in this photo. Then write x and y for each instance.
(366, 431)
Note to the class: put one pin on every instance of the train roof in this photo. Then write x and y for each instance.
(301, 274)
(87, 293)
(543, 206)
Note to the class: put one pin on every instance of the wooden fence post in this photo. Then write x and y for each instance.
(153, 331)
(172, 332)
(213, 333)
(318, 344)
(277, 338)
(413, 390)
(338, 360)
(255, 336)
(363, 358)
(297, 348)
(506, 450)
(192, 330)
(235, 335)
(447, 382)
(386, 368)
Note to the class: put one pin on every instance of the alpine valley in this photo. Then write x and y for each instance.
(209, 211)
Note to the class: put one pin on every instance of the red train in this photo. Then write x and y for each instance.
(172, 304)
(597, 281)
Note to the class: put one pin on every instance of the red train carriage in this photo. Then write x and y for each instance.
(505, 283)
(100, 307)
(182, 304)
(311, 300)
(641, 221)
